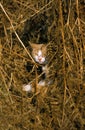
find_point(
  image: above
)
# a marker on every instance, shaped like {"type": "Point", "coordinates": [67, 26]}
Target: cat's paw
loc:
{"type": "Point", "coordinates": [27, 88]}
{"type": "Point", "coordinates": [41, 83]}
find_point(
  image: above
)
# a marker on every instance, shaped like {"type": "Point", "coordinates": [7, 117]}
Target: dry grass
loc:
{"type": "Point", "coordinates": [60, 106]}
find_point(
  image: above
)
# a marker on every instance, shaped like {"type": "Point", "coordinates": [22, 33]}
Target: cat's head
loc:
{"type": "Point", "coordinates": [39, 52]}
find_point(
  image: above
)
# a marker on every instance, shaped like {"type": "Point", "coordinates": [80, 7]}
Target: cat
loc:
{"type": "Point", "coordinates": [39, 54]}
{"type": "Point", "coordinates": [35, 37]}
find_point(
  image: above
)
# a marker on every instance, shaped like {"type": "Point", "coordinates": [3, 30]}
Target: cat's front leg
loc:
{"type": "Point", "coordinates": [27, 88]}
{"type": "Point", "coordinates": [41, 83]}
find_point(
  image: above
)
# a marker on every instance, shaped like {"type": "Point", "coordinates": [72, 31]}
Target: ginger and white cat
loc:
{"type": "Point", "coordinates": [39, 55]}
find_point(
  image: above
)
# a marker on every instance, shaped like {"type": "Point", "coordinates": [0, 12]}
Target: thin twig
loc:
{"type": "Point", "coordinates": [64, 58]}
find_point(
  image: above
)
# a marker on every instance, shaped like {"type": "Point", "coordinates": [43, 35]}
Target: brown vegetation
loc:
{"type": "Point", "coordinates": [60, 106]}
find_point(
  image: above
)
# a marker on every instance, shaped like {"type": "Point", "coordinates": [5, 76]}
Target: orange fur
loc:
{"type": "Point", "coordinates": [37, 47]}
{"type": "Point", "coordinates": [39, 52]}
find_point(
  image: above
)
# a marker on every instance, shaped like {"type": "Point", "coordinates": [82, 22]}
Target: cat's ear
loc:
{"type": "Point", "coordinates": [35, 45]}
{"type": "Point", "coordinates": [32, 45]}
{"type": "Point", "coordinates": [44, 46]}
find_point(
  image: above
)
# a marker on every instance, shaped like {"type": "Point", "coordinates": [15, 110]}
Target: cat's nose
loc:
{"type": "Point", "coordinates": [40, 58]}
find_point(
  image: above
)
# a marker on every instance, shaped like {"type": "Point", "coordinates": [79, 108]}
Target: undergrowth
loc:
{"type": "Point", "coordinates": [61, 106]}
